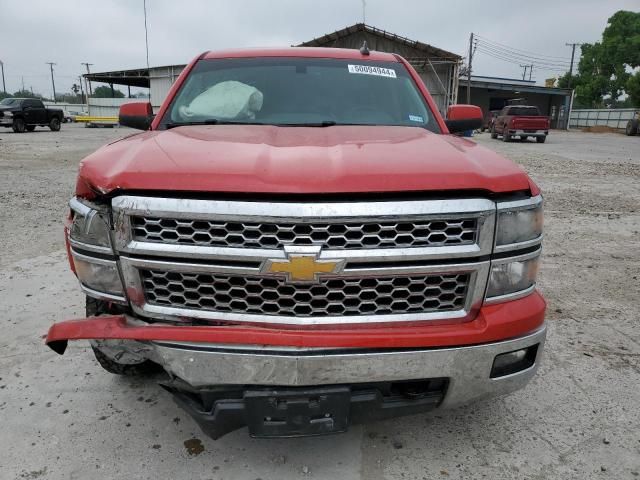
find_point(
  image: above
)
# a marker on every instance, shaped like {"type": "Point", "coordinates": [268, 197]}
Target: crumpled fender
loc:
{"type": "Point", "coordinates": [493, 323]}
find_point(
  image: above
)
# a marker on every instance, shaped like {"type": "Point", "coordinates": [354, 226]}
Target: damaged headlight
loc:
{"type": "Point", "coordinates": [92, 255]}
{"type": "Point", "coordinates": [88, 225]}
{"type": "Point", "coordinates": [98, 274]}
{"type": "Point", "coordinates": [519, 221]}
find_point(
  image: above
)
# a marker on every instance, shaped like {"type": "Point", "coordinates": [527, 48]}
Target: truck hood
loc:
{"type": "Point", "coordinates": [272, 159]}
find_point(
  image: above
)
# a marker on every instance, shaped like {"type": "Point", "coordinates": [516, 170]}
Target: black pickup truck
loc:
{"type": "Point", "coordinates": [25, 114]}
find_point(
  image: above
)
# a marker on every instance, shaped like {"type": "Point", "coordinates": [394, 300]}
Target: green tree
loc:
{"type": "Point", "coordinates": [633, 89]}
{"type": "Point", "coordinates": [105, 92]}
{"type": "Point", "coordinates": [26, 94]}
{"type": "Point", "coordinates": [604, 67]}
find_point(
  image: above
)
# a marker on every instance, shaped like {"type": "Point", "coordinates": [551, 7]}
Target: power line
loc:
{"type": "Point", "coordinates": [517, 50]}
{"type": "Point", "coordinates": [519, 58]}
{"type": "Point", "coordinates": [519, 61]}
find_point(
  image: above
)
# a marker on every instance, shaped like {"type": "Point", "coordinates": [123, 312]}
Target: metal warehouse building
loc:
{"type": "Point", "coordinates": [437, 68]}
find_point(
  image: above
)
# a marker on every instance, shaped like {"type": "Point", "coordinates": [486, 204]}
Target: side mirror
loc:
{"type": "Point", "coordinates": [136, 115]}
{"type": "Point", "coordinates": [461, 118]}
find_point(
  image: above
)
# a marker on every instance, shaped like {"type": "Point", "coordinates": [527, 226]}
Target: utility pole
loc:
{"type": "Point", "coordinates": [524, 72]}
{"type": "Point", "coordinates": [22, 78]}
{"type": "Point", "coordinates": [53, 83]}
{"type": "Point", "coordinates": [81, 89]}
{"type": "Point", "coordinates": [4, 87]}
{"type": "Point", "coordinates": [530, 70]}
{"type": "Point", "coordinates": [573, 54]}
{"type": "Point", "coordinates": [88, 81]}
{"type": "Point", "coordinates": [469, 68]}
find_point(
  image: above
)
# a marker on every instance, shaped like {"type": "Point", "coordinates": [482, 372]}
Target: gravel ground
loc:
{"type": "Point", "coordinates": [64, 418]}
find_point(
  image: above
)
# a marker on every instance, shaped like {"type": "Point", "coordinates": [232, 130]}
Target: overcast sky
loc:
{"type": "Point", "coordinates": [110, 33]}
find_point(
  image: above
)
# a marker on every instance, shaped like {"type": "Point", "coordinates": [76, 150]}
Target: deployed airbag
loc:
{"type": "Point", "coordinates": [228, 99]}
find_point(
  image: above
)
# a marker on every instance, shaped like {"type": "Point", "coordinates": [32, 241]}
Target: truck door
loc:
{"type": "Point", "coordinates": [39, 112]}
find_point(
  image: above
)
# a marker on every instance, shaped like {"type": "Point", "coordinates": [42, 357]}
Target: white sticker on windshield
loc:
{"type": "Point", "coordinates": [373, 70]}
{"type": "Point", "coordinates": [416, 118]}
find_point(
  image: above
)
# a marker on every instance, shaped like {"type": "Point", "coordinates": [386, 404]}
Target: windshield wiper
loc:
{"type": "Point", "coordinates": [211, 121]}
{"type": "Point", "coordinates": [324, 123]}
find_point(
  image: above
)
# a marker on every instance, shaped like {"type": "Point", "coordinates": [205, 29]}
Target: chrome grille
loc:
{"type": "Point", "coordinates": [345, 235]}
{"type": "Point", "coordinates": [341, 296]}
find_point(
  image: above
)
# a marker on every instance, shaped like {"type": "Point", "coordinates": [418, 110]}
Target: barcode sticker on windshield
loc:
{"type": "Point", "coordinates": [373, 70]}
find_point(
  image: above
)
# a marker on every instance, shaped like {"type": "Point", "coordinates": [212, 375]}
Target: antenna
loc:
{"type": "Point", "coordinates": [364, 49]}
{"type": "Point", "coordinates": [364, 11]}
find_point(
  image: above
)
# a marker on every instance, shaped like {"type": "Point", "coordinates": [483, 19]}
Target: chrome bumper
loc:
{"type": "Point", "coordinates": [467, 368]}
{"type": "Point", "coordinates": [536, 133]}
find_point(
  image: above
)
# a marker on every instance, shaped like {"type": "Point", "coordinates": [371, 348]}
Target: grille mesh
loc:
{"type": "Point", "coordinates": [352, 235]}
{"type": "Point", "coordinates": [332, 296]}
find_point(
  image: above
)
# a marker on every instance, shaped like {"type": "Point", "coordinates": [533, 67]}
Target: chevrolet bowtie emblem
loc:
{"type": "Point", "coordinates": [302, 265]}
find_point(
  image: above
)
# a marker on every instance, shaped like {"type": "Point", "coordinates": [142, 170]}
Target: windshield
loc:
{"type": "Point", "coordinates": [299, 92]}
{"type": "Point", "coordinates": [10, 101]}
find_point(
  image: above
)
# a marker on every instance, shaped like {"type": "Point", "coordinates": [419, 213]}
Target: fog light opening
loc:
{"type": "Point", "coordinates": [514, 362]}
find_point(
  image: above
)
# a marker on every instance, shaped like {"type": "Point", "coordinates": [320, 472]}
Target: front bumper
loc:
{"type": "Point", "coordinates": [467, 368]}
{"type": "Point", "coordinates": [349, 368]}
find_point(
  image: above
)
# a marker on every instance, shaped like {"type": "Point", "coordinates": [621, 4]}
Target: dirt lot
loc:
{"type": "Point", "coordinates": [64, 418]}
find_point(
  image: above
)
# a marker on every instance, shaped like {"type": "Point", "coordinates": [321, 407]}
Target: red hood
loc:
{"type": "Point", "coordinates": [270, 159]}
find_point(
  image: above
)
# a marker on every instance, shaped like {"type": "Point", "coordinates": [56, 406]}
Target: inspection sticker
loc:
{"type": "Point", "coordinates": [373, 70]}
{"type": "Point", "coordinates": [416, 118]}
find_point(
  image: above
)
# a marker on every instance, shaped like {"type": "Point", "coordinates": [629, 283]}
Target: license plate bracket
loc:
{"type": "Point", "coordinates": [297, 412]}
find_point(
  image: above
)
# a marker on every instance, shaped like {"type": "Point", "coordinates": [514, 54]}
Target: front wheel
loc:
{"type": "Point", "coordinates": [54, 124]}
{"type": "Point", "coordinates": [541, 139]}
{"type": "Point", "coordinates": [632, 128]}
{"type": "Point", "coordinates": [97, 307]}
{"type": "Point", "coordinates": [506, 137]}
{"type": "Point", "coordinates": [18, 125]}
{"type": "Point", "coordinates": [494, 134]}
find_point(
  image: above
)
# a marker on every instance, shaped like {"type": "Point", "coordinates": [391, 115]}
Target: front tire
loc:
{"type": "Point", "coordinates": [54, 124]}
{"type": "Point", "coordinates": [632, 128]}
{"type": "Point", "coordinates": [494, 134]}
{"type": "Point", "coordinates": [506, 137]}
{"type": "Point", "coordinates": [95, 307]}
{"type": "Point", "coordinates": [18, 125]}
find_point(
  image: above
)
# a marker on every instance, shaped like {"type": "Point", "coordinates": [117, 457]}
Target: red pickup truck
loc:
{"type": "Point", "coordinates": [520, 121]}
{"type": "Point", "coordinates": [300, 243]}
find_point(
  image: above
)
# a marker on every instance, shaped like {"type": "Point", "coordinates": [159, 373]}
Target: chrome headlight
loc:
{"type": "Point", "coordinates": [7, 114]}
{"type": "Point", "coordinates": [513, 275]}
{"type": "Point", "coordinates": [88, 225]}
{"type": "Point", "coordinates": [518, 222]}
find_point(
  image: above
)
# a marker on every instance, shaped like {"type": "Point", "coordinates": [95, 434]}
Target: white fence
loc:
{"type": "Point", "coordinates": [68, 107]}
{"type": "Point", "coordinates": [610, 117]}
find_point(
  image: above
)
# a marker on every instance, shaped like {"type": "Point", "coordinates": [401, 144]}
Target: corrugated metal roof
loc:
{"type": "Point", "coordinates": [329, 38]}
